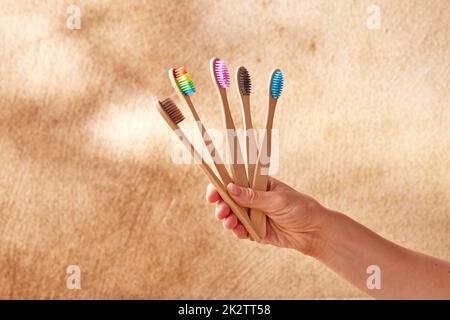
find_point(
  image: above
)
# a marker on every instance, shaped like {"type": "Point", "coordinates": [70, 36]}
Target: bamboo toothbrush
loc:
{"type": "Point", "coordinates": [173, 116]}
{"type": "Point", "coordinates": [251, 148]}
{"type": "Point", "coordinates": [184, 86]}
{"type": "Point", "coordinates": [221, 77]}
{"type": "Point", "coordinates": [258, 218]}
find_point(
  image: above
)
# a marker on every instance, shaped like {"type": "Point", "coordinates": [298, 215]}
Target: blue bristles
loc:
{"type": "Point", "coordinates": [277, 85]}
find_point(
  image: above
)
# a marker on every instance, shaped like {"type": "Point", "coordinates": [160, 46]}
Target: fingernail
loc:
{"type": "Point", "coordinates": [234, 189]}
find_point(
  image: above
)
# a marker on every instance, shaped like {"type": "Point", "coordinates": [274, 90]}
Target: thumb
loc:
{"type": "Point", "coordinates": [251, 198]}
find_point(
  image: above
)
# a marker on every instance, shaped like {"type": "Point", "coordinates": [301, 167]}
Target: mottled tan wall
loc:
{"type": "Point", "coordinates": [85, 171]}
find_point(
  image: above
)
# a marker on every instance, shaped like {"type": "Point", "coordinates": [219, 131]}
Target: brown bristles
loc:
{"type": "Point", "coordinates": [171, 109]}
{"type": "Point", "coordinates": [245, 84]}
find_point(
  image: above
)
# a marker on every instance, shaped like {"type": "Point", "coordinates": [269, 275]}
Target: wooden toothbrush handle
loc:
{"type": "Point", "coordinates": [258, 217]}
{"type": "Point", "coordinates": [240, 213]}
{"type": "Point", "coordinates": [238, 170]}
{"type": "Point", "coordinates": [215, 155]}
{"type": "Point", "coordinates": [251, 146]}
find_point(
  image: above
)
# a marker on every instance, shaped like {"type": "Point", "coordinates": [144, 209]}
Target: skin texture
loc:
{"type": "Point", "coordinates": [299, 222]}
{"type": "Point", "coordinates": [295, 218]}
{"type": "Point", "coordinates": [86, 175]}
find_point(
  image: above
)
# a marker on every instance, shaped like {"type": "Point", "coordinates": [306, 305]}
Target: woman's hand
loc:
{"type": "Point", "coordinates": [345, 246]}
{"type": "Point", "coordinates": [294, 219]}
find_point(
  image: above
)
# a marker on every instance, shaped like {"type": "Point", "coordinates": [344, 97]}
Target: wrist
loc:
{"type": "Point", "coordinates": [320, 246]}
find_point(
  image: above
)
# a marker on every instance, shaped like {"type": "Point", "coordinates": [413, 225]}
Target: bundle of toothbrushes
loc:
{"type": "Point", "coordinates": [253, 170]}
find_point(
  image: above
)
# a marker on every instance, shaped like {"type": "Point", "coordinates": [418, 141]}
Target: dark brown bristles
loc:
{"type": "Point", "coordinates": [171, 109]}
{"type": "Point", "coordinates": [245, 84]}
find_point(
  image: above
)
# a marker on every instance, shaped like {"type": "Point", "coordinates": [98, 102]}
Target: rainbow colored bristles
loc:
{"type": "Point", "coordinates": [184, 81]}
{"type": "Point", "coordinates": [222, 74]}
{"type": "Point", "coordinates": [276, 85]}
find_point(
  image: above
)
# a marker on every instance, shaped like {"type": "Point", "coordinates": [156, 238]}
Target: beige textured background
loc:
{"type": "Point", "coordinates": [85, 171]}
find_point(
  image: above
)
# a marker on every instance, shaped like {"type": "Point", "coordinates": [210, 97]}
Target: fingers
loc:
{"type": "Point", "coordinates": [211, 194]}
{"type": "Point", "coordinates": [240, 231]}
{"type": "Point", "coordinates": [222, 210]}
{"type": "Point", "coordinates": [266, 201]}
{"type": "Point", "coordinates": [232, 223]}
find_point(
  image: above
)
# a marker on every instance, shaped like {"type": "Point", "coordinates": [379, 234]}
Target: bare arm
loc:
{"type": "Point", "coordinates": [299, 222]}
{"type": "Point", "coordinates": [349, 248]}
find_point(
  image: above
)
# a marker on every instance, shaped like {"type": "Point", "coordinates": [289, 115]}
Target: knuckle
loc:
{"type": "Point", "coordinates": [282, 197]}
{"type": "Point", "coordinates": [252, 196]}
{"type": "Point", "coordinates": [279, 200]}
{"type": "Point", "coordinates": [312, 205]}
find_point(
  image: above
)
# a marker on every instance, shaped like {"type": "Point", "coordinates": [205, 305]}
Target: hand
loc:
{"type": "Point", "coordinates": [293, 219]}
{"type": "Point", "coordinates": [345, 246]}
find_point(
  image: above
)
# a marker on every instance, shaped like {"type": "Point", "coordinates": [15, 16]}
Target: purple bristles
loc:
{"type": "Point", "coordinates": [222, 74]}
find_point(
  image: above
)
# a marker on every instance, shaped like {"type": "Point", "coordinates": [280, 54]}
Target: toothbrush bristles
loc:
{"type": "Point", "coordinates": [245, 84]}
{"type": "Point", "coordinates": [277, 83]}
{"type": "Point", "coordinates": [222, 74]}
{"type": "Point", "coordinates": [171, 109]}
{"type": "Point", "coordinates": [184, 81]}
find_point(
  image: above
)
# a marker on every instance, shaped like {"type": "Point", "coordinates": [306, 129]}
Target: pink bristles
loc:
{"type": "Point", "coordinates": [222, 75]}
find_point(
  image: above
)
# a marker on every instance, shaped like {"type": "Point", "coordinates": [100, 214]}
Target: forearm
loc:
{"type": "Point", "coordinates": [349, 248]}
